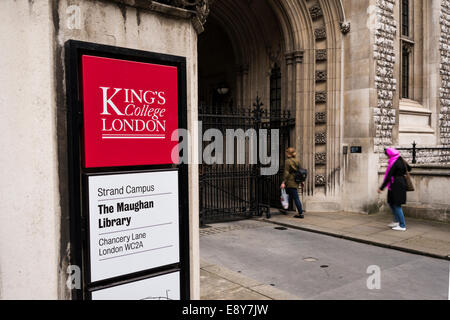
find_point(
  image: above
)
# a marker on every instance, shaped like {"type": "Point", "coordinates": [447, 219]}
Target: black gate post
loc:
{"type": "Point", "coordinates": [257, 169]}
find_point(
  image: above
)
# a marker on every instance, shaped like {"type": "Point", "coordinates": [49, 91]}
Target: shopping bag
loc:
{"type": "Point", "coordinates": [284, 199]}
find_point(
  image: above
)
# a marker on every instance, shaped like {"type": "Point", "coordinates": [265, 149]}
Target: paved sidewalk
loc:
{"type": "Point", "coordinates": [422, 237]}
{"type": "Point", "coordinates": [219, 283]}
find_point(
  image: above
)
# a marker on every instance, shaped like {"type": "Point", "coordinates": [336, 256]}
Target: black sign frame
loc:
{"type": "Point", "coordinates": [74, 50]}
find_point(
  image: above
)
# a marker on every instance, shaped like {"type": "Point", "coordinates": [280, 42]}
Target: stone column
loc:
{"type": "Point", "coordinates": [30, 207]}
{"type": "Point", "coordinates": [289, 57]}
{"type": "Point", "coordinates": [304, 114]}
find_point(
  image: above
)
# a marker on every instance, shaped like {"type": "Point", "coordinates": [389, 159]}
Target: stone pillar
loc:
{"type": "Point", "coordinates": [34, 224]}
{"type": "Point", "coordinates": [289, 82]}
{"type": "Point", "coordinates": [303, 101]}
{"type": "Point", "coordinates": [29, 188]}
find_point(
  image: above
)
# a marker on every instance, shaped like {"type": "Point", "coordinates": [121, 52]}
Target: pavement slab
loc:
{"type": "Point", "coordinates": [422, 236]}
{"type": "Point", "coordinates": [220, 283]}
{"type": "Point", "coordinates": [212, 283]}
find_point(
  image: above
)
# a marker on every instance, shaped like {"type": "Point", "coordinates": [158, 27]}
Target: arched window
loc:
{"type": "Point", "coordinates": [405, 17]}
{"type": "Point", "coordinates": [406, 61]}
{"type": "Point", "coordinates": [414, 74]}
{"type": "Point", "coordinates": [275, 91]}
{"type": "Point", "coordinates": [407, 50]}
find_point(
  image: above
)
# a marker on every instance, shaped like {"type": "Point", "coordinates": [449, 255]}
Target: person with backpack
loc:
{"type": "Point", "coordinates": [292, 177]}
{"type": "Point", "coordinates": [395, 181]}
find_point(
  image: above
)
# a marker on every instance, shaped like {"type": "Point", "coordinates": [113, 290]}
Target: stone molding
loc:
{"type": "Point", "coordinates": [320, 180]}
{"type": "Point", "coordinates": [315, 12]}
{"type": "Point", "coordinates": [298, 56]}
{"type": "Point", "coordinates": [321, 158]}
{"type": "Point", "coordinates": [321, 55]}
{"type": "Point", "coordinates": [321, 75]}
{"type": "Point", "coordinates": [289, 57]}
{"type": "Point", "coordinates": [320, 33]}
{"type": "Point", "coordinates": [321, 138]}
{"type": "Point", "coordinates": [321, 97]}
{"type": "Point", "coordinates": [321, 117]}
{"type": "Point", "coordinates": [345, 27]}
{"type": "Point", "coordinates": [196, 10]}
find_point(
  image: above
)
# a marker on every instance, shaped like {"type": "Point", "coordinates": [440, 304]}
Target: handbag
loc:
{"type": "Point", "coordinates": [284, 199]}
{"type": "Point", "coordinates": [407, 176]}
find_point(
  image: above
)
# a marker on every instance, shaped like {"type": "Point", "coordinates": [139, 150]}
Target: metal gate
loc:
{"type": "Point", "coordinates": [238, 191]}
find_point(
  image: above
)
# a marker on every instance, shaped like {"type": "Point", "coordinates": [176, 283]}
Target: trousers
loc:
{"type": "Point", "coordinates": [398, 215]}
{"type": "Point", "coordinates": [293, 194]}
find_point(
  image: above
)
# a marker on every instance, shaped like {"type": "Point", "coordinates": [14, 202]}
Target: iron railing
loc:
{"type": "Point", "coordinates": [426, 155]}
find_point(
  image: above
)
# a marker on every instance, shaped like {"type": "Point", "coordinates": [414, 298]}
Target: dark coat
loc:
{"type": "Point", "coordinates": [290, 168]}
{"type": "Point", "coordinates": [397, 194]}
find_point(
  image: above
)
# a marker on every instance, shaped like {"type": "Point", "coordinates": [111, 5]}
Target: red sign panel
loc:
{"type": "Point", "coordinates": [130, 112]}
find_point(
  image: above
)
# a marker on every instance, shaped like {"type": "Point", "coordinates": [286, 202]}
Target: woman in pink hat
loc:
{"type": "Point", "coordinates": [394, 180]}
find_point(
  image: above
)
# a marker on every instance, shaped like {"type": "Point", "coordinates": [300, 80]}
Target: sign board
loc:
{"type": "Point", "coordinates": [133, 222]}
{"type": "Point", "coordinates": [356, 149]}
{"type": "Point", "coordinates": [130, 111]}
{"type": "Point", "coordinates": [128, 191]}
{"type": "Point", "coordinates": [164, 287]}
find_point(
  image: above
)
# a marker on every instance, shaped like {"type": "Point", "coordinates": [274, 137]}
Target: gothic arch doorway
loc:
{"type": "Point", "coordinates": [289, 54]}
{"type": "Point", "coordinates": [241, 59]}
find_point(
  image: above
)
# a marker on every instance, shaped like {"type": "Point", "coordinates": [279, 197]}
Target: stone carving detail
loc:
{"type": "Point", "coordinates": [201, 7]}
{"type": "Point", "coordinates": [320, 180]}
{"type": "Point", "coordinates": [321, 76]}
{"type": "Point", "coordinates": [321, 117]}
{"type": "Point", "coordinates": [444, 116]}
{"type": "Point", "coordinates": [321, 55]}
{"type": "Point", "coordinates": [385, 83]}
{"type": "Point", "coordinates": [345, 27]}
{"type": "Point", "coordinates": [298, 56]}
{"type": "Point", "coordinates": [320, 33]}
{"type": "Point", "coordinates": [321, 138]}
{"type": "Point", "coordinates": [321, 97]}
{"type": "Point", "coordinates": [320, 158]}
{"type": "Point", "coordinates": [315, 11]}
{"type": "Point", "coordinates": [289, 57]}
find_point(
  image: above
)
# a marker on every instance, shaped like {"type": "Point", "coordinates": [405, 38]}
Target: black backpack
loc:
{"type": "Point", "coordinates": [301, 175]}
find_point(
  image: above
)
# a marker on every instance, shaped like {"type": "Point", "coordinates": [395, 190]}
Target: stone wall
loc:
{"type": "Point", "coordinates": [444, 117]}
{"type": "Point", "coordinates": [29, 206]}
{"type": "Point", "coordinates": [427, 201]}
{"type": "Point", "coordinates": [34, 222]}
{"type": "Point", "coordinates": [386, 85]}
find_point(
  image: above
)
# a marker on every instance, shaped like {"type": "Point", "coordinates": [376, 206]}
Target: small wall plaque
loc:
{"type": "Point", "coordinates": [357, 149]}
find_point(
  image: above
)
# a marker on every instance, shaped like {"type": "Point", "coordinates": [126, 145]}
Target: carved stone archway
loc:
{"type": "Point", "coordinates": [305, 38]}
